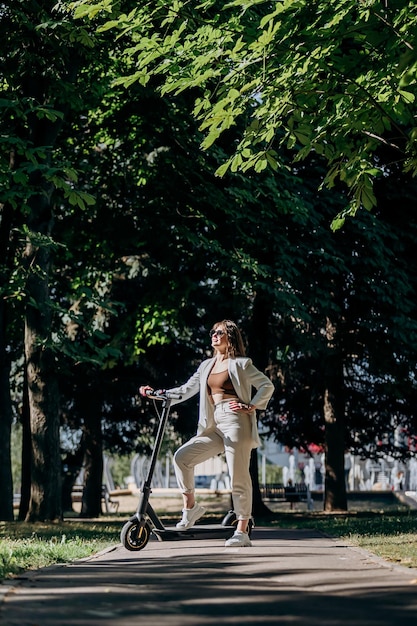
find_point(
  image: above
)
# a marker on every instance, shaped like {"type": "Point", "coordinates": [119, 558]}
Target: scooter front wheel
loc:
{"type": "Point", "coordinates": [134, 536]}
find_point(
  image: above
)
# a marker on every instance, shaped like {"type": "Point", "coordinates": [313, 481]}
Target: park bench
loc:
{"type": "Point", "coordinates": [110, 505]}
{"type": "Point", "coordinates": [277, 492]}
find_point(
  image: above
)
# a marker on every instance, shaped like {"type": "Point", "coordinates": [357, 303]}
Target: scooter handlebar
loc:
{"type": "Point", "coordinates": [162, 394]}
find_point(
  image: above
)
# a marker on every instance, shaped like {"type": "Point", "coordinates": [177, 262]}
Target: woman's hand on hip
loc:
{"type": "Point", "coordinates": [237, 405]}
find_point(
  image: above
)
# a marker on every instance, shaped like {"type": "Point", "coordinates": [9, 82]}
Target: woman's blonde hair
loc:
{"type": "Point", "coordinates": [235, 347]}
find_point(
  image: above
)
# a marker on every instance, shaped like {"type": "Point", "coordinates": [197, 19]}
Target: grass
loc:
{"type": "Point", "coordinates": [390, 534]}
{"type": "Point", "coordinates": [31, 546]}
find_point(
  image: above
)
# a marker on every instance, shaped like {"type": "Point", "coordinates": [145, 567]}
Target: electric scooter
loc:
{"type": "Point", "coordinates": [136, 533]}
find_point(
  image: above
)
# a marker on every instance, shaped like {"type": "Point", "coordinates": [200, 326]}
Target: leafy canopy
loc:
{"type": "Point", "coordinates": [335, 78]}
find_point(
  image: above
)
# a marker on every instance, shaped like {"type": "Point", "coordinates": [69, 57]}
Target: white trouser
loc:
{"type": "Point", "coordinates": [232, 434]}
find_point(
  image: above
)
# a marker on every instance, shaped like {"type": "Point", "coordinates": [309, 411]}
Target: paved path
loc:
{"type": "Point", "coordinates": [299, 578]}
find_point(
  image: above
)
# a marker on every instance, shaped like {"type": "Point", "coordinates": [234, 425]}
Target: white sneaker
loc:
{"type": "Point", "coordinates": [190, 516]}
{"type": "Point", "coordinates": [239, 540]}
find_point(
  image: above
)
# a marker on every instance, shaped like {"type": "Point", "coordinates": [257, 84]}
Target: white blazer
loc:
{"type": "Point", "coordinates": [244, 376]}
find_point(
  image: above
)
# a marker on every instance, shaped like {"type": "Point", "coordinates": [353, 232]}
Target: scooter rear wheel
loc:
{"type": "Point", "coordinates": [135, 537]}
{"type": "Point", "coordinates": [230, 519]}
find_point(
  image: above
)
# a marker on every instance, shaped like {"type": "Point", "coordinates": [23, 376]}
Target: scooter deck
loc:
{"type": "Point", "coordinates": [202, 531]}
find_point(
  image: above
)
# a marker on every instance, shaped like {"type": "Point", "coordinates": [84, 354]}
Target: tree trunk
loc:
{"type": "Point", "coordinates": [6, 413]}
{"type": "Point", "coordinates": [45, 501]}
{"type": "Point", "coordinates": [258, 341]}
{"type": "Point", "coordinates": [6, 479]}
{"type": "Point", "coordinates": [93, 457]}
{"type": "Point", "coordinates": [334, 418]}
{"type": "Point", "coordinates": [71, 467]}
{"type": "Point", "coordinates": [26, 454]}
{"type": "Point", "coordinates": [259, 508]}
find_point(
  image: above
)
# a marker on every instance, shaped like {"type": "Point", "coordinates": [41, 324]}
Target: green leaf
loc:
{"type": "Point", "coordinates": [407, 96]}
{"type": "Point", "coordinates": [261, 164]}
{"type": "Point", "coordinates": [271, 161]}
{"type": "Point", "coordinates": [221, 171]}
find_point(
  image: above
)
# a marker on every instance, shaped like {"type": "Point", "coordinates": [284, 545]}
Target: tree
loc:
{"type": "Point", "coordinates": [41, 56]}
{"type": "Point", "coordinates": [345, 364]}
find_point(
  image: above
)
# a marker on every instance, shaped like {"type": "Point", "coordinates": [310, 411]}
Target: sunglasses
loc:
{"type": "Point", "coordinates": [218, 333]}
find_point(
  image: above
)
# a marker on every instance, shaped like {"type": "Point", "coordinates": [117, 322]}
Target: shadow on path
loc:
{"type": "Point", "coordinates": [287, 577]}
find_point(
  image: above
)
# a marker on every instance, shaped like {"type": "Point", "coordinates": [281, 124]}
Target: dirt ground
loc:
{"type": "Point", "coordinates": [170, 501]}
{"type": "Point", "coordinates": [167, 501]}
{"type": "Point", "coordinates": [219, 502]}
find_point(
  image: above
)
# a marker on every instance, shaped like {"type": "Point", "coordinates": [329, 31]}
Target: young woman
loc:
{"type": "Point", "coordinates": [227, 423]}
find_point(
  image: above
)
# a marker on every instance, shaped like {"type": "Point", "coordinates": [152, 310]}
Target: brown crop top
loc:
{"type": "Point", "coordinates": [220, 383]}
